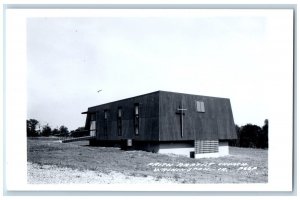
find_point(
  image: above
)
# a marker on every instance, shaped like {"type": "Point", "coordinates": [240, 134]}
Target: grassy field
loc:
{"type": "Point", "coordinates": [244, 165]}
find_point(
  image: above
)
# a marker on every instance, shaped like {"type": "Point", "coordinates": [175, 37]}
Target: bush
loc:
{"type": "Point", "coordinates": [46, 131]}
{"type": "Point", "coordinates": [251, 136]}
{"type": "Point", "coordinates": [63, 131]}
{"type": "Point", "coordinates": [31, 127]}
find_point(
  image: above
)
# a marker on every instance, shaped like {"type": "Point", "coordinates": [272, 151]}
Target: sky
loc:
{"type": "Point", "coordinates": [70, 59]}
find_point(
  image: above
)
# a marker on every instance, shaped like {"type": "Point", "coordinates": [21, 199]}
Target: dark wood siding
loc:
{"type": "Point", "coordinates": [215, 123]}
{"type": "Point", "coordinates": [148, 116]}
{"type": "Point", "coordinates": [159, 118]}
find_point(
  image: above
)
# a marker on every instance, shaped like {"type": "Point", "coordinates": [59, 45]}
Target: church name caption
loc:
{"type": "Point", "coordinates": [209, 166]}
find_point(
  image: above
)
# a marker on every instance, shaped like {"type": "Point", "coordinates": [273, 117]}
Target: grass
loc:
{"type": "Point", "coordinates": [79, 155]}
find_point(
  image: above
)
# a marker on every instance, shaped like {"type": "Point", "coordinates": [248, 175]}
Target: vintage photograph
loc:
{"type": "Point", "coordinates": [153, 99]}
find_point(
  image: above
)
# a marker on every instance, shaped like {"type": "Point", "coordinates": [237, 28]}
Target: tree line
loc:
{"type": "Point", "coordinates": [252, 136]}
{"type": "Point", "coordinates": [33, 129]}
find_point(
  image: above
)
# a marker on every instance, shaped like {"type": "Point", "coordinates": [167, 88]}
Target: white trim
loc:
{"type": "Point", "coordinates": [207, 155]}
{"type": "Point", "coordinates": [177, 151]}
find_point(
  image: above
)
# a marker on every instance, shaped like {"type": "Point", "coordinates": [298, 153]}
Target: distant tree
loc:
{"type": "Point", "coordinates": [79, 132]}
{"type": "Point", "coordinates": [31, 127]}
{"type": "Point", "coordinates": [80, 129]}
{"type": "Point", "coordinates": [249, 135]}
{"type": "Point", "coordinates": [55, 132]}
{"type": "Point", "coordinates": [63, 131]}
{"type": "Point", "coordinates": [264, 137]}
{"type": "Point", "coordinates": [46, 131]}
{"type": "Point", "coordinates": [238, 132]}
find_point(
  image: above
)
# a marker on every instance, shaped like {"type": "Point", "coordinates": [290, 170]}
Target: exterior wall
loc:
{"type": "Point", "coordinates": [148, 119]}
{"type": "Point", "coordinates": [182, 148]}
{"type": "Point", "coordinates": [207, 155]}
{"type": "Point", "coordinates": [206, 146]}
{"type": "Point", "coordinates": [158, 121]}
{"type": "Point", "coordinates": [223, 148]}
{"type": "Point", "coordinates": [213, 124]}
{"type": "Point", "coordinates": [223, 151]}
{"type": "Point", "coordinates": [185, 149]}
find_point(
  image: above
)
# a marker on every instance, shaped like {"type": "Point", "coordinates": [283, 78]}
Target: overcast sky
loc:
{"type": "Point", "coordinates": [70, 59]}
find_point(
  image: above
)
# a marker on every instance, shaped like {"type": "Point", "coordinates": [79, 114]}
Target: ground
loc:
{"type": "Point", "coordinates": [50, 161]}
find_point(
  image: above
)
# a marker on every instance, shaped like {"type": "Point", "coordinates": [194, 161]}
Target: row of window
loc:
{"type": "Point", "coordinates": [119, 122]}
{"type": "Point", "coordinates": [199, 107]}
{"type": "Point", "coordinates": [136, 120]}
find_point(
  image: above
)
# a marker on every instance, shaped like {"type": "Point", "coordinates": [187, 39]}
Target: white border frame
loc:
{"type": "Point", "coordinates": [19, 89]}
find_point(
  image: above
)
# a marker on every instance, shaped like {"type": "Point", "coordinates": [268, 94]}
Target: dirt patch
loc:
{"type": "Point", "coordinates": [50, 174]}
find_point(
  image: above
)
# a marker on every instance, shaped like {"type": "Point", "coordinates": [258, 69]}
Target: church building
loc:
{"type": "Point", "coordinates": [164, 122]}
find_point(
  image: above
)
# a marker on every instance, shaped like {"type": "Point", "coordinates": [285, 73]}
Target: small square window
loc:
{"type": "Point", "coordinates": [200, 106]}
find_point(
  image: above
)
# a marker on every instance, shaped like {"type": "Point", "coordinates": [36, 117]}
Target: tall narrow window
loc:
{"type": "Point", "coordinates": [105, 122]}
{"type": "Point", "coordinates": [136, 119]}
{"type": "Point", "coordinates": [119, 121]}
{"type": "Point", "coordinates": [200, 106]}
{"type": "Point", "coordinates": [93, 125]}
